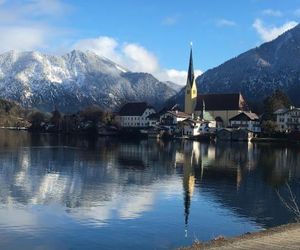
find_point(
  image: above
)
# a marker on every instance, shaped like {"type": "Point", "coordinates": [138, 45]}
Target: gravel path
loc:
{"type": "Point", "coordinates": [283, 237]}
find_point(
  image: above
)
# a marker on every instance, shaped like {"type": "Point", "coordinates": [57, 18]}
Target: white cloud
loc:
{"type": "Point", "coordinates": [103, 46]}
{"type": "Point", "coordinates": [30, 25]}
{"type": "Point", "coordinates": [225, 23]}
{"type": "Point", "coordinates": [269, 33]}
{"type": "Point", "coordinates": [271, 12]}
{"type": "Point", "coordinates": [25, 24]}
{"type": "Point", "coordinates": [22, 38]}
{"type": "Point", "coordinates": [132, 56]}
{"type": "Point", "coordinates": [140, 59]}
{"type": "Point", "coordinates": [177, 76]}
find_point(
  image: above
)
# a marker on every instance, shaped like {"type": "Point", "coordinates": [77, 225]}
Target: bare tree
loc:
{"type": "Point", "coordinates": [290, 203]}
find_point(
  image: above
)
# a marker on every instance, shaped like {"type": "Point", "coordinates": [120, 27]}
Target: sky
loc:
{"type": "Point", "coordinates": [147, 35]}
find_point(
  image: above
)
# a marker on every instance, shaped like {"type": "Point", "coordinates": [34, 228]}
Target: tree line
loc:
{"type": "Point", "coordinates": [86, 120]}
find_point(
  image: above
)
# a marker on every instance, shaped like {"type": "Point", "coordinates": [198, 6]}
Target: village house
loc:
{"type": "Point", "coordinates": [191, 127]}
{"type": "Point", "coordinates": [222, 107]}
{"type": "Point", "coordinates": [230, 134]}
{"type": "Point", "coordinates": [246, 120]}
{"type": "Point", "coordinates": [153, 120]}
{"type": "Point", "coordinates": [170, 120]}
{"type": "Point", "coordinates": [135, 115]}
{"type": "Point", "coordinates": [288, 119]}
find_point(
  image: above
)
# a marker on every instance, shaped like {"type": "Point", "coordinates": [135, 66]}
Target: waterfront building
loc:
{"type": "Point", "coordinates": [230, 134]}
{"type": "Point", "coordinates": [135, 114]}
{"type": "Point", "coordinates": [246, 120]}
{"type": "Point", "coordinates": [191, 127]}
{"type": "Point", "coordinates": [153, 120]}
{"type": "Point", "coordinates": [287, 119]}
{"type": "Point", "coordinates": [170, 120]}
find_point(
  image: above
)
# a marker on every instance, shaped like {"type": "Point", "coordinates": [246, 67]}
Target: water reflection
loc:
{"type": "Point", "coordinates": [133, 189]}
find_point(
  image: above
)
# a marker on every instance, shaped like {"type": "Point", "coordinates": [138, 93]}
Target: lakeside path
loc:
{"type": "Point", "coordinates": [283, 237]}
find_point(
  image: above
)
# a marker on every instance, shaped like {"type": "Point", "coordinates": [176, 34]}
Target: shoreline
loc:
{"type": "Point", "coordinates": [254, 140]}
{"type": "Point", "coordinates": [273, 140]}
{"type": "Point", "coordinates": [281, 237]}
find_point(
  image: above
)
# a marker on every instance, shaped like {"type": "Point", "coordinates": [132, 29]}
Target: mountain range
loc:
{"type": "Point", "coordinates": [258, 72]}
{"type": "Point", "coordinates": [78, 79]}
{"type": "Point", "coordinates": [75, 80]}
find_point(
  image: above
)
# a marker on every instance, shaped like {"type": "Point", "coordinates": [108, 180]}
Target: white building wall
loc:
{"type": "Point", "coordinates": [198, 129]}
{"type": "Point", "coordinates": [253, 126]}
{"type": "Point", "coordinates": [137, 121]}
{"type": "Point", "coordinates": [288, 121]}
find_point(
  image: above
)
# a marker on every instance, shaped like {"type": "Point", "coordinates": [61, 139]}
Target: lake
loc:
{"type": "Point", "coordinates": [71, 192]}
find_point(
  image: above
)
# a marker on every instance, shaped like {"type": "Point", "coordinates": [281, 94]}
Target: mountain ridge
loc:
{"type": "Point", "coordinates": [75, 80]}
{"type": "Point", "coordinates": [258, 72]}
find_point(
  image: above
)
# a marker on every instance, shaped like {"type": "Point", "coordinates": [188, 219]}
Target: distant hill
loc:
{"type": "Point", "coordinates": [75, 80]}
{"type": "Point", "coordinates": [258, 72]}
{"type": "Point", "coordinates": [12, 114]}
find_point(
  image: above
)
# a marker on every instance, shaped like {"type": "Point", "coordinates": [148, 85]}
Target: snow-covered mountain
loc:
{"type": "Point", "coordinates": [259, 71]}
{"type": "Point", "coordinates": [75, 80]}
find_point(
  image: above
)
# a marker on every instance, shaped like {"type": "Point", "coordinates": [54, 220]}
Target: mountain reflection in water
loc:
{"type": "Point", "coordinates": [79, 193]}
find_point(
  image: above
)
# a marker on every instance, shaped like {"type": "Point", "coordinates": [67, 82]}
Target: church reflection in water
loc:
{"type": "Point", "coordinates": [107, 177]}
{"type": "Point", "coordinates": [241, 176]}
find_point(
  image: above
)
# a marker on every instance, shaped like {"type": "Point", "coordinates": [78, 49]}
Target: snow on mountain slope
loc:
{"type": "Point", "coordinates": [73, 81]}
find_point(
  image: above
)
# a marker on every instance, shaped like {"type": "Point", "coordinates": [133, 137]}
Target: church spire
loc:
{"type": "Point", "coordinates": [191, 76]}
{"type": "Point", "coordinates": [191, 88]}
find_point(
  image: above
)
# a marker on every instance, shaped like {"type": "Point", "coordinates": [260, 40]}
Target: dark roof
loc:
{"type": "Point", "coordinates": [285, 110]}
{"type": "Point", "coordinates": [172, 107]}
{"type": "Point", "coordinates": [233, 101]}
{"type": "Point", "coordinates": [153, 116]}
{"type": "Point", "coordinates": [191, 76]}
{"type": "Point", "coordinates": [179, 114]}
{"type": "Point", "coordinates": [193, 121]}
{"type": "Point", "coordinates": [245, 116]}
{"type": "Point", "coordinates": [134, 109]}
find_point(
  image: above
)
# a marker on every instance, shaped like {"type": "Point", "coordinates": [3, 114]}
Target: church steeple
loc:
{"type": "Point", "coordinates": [191, 88]}
{"type": "Point", "coordinates": [191, 75]}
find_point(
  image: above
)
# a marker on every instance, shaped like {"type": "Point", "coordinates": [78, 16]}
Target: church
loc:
{"type": "Point", "coordinates": [220, 107]}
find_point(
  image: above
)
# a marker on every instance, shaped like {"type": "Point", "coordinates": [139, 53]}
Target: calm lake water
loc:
{"type": "Point", "coordinates": [61, 192]}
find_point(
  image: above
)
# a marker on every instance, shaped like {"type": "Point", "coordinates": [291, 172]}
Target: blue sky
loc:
{"type": "Point", "coordinates": [147, 35]}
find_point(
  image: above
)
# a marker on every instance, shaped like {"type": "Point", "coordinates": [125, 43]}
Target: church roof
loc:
{"type": "Point", "coordinates": [191, 76]}
{"type": "Point", "coordinates": [211, 102]}
{"type": "Point", "coordinates": [134, 109]}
